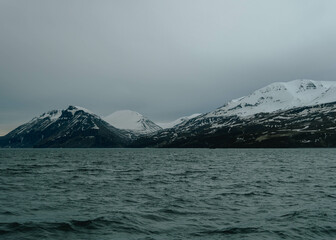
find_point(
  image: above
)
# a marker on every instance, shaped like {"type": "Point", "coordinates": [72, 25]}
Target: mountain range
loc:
{"type": "Point", "coordinates": [300, 113]}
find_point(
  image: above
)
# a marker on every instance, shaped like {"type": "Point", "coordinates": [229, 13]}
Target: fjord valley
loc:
{"type": "Point", "coordinates": [300, 113]}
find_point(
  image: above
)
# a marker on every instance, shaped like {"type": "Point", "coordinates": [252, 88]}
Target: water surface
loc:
{"type": "Point", "coordinates": [167, 194]}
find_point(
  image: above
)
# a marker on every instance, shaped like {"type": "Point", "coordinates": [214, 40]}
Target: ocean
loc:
{"type": "Point", "coordinates": [167, 194]}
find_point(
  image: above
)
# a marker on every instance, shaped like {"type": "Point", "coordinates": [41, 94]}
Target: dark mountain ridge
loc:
{"type": "Point", "coordinates": [311, 126]}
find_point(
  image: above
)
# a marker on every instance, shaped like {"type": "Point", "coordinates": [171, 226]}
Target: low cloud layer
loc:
{"type": "Point", "coordinates": [164, 59]}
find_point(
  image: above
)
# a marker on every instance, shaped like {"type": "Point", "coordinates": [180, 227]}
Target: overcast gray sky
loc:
{"type": "Point", "coordinates": [164, 59]}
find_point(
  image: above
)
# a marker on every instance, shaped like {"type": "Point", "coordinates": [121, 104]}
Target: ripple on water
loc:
{"type": "Point", "coordinates": [167, 194]}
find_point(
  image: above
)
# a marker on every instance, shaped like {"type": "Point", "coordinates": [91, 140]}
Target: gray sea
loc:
{"type": "Point", "coordinates": [167, 194]}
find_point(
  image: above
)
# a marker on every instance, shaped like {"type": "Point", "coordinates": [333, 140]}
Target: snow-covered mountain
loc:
{"type": "Point", "coordinates": [280, 96]}
{"type": "Point", "coordinates": [177, 121]}
{"type": "Point", "coordinates": [71, 127]}
{"type": "Point", "coordinates": [282, 114]}
{"type": "Point", "coordinates": [309, 126]}
{"type": "Point", "coordinates": [132, 121]}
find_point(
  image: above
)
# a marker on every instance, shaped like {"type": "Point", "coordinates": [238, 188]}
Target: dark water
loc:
{"type": "Point", "coordinates": [168, 194]}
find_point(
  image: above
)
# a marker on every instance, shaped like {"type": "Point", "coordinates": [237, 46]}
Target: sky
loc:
{"type": "Point", "coordinates": [163, 59]}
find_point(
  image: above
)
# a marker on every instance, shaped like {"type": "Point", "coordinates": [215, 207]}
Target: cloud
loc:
{"type": "Point", "coordinates": [165, 59]}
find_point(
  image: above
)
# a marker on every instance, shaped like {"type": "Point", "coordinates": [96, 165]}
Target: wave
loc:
{"type": "Point", "coordinates": [229, 231]}
{"type": "Point", "coordinates": [76, 226]}
{"type": "Point", "coordinates": [72, 225]}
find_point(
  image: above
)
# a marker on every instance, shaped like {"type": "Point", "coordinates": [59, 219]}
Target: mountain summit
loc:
{"type": "Point", "coordinates": [71, 127]}
{"type": "Point", "coordinates": [133, 121]}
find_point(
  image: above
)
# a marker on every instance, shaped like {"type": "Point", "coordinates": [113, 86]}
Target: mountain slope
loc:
{"type": "Point", "coordinates": [311, 126]}
{"type": "Point", "coordinates": [177, 121]}
{"type": "Point", "coordinates": [72, 127]}
{"type": "Point", "coordinates": [299, 113]}
{"type": "Point", "coordinates": [132, 121]}
{"type": "Point", "coordinates": [280, 110]}
{"type": "Point", "coordinates": [279, 96]}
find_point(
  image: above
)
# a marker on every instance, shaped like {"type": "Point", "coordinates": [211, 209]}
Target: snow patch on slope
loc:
{"type": "Point", "coordinates": [52, 115]}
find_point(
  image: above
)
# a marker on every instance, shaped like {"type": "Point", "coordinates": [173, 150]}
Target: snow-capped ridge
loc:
{"type": "Point", "coordinates": [280, 96]}
{"type": "Point", "coordinates": [74, 109]}
{"type": "Point", "coordinates": [56, 114]}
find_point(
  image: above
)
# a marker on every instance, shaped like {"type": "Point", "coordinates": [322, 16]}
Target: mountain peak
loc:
{"type": "Point", "coordinates": [131, 120]}
{"type": "Point", "coordinates": [71, 127]}
{"type": "Point", "coordinates": [74, 109]}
